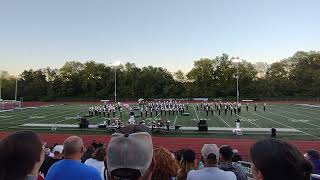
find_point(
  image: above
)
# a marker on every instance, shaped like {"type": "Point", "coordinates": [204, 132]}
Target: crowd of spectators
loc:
{"type": "Point", "coordinates": [130, 155]}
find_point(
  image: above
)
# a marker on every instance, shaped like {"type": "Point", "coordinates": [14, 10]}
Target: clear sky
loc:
{"type": "Point", "coordinates": [167, 33]}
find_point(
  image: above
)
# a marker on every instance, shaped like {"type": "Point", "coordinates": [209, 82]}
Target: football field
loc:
{"type": "Point", "coordinates": [303, 120]}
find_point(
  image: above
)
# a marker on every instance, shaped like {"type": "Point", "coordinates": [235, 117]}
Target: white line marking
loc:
{"type": "Point", "coordinates": [249, 121]}
{"type": "Point", "coordinates": [222, 119]}
{"type": "Point", "coordinates": [287, 126]}
{"type": "Point", "coordinates": [291, 118]}
{"type": "Point", "coordinates": [174, 123]}
{"type": "Point", "coordinates": [298, 114]}
{"type": "Point", "coordinates": [196, 113]}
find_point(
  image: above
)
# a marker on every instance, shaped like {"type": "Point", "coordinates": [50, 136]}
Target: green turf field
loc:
{"type": "Point", "coordinates": [302, 118]}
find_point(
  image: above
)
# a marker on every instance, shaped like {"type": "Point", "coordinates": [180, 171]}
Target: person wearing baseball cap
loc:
{"type": "Point", "coordinates": [49, 161]}
{"type": "Point", "coordinates": [130, 154]}
{"type": "Point", "coordinates": [210, 155]}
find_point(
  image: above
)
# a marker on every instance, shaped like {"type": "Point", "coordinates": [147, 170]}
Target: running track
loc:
{"type": "Point", "coordinates": [176, 143]}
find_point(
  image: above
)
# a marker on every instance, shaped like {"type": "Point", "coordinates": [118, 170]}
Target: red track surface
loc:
{"type": "Point", "coordinates": [174, 143]}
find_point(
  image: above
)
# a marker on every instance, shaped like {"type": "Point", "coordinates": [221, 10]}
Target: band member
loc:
{"type": "Point", "coordinates": [238, 124]}
{"type": "Point", "coordinates": [219, 110]}
{"type": "Point", "coordinates": [247, 106]}
{"type": "Point", "coordinates": [225, 109]}
{"type": "Point", "coordinates": [131, 118]}
{"type": "Point", "coordinates": [264, 107]}
{"type": "Point", "coordinates": [255, 106]}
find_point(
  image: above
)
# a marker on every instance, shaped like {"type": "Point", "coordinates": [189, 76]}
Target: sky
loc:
{"type": "Point", "coordinates": [167, 33]}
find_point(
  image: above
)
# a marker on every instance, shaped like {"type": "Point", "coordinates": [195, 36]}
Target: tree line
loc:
{"type": "Point", "coordinates": [296, 76]}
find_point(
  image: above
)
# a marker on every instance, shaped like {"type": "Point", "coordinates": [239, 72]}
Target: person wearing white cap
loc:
{"type": "Point", "coordinates": [49, 161]}
{"type": "Point", "coordinates": [130, 154]}
{"type": "Point", "coordinates": [210, 155]}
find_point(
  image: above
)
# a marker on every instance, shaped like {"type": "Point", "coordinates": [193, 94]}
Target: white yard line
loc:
{"type": "Point", "coordinates": [270, 119]}
{"type": "Point", "coordinates": [292, 118]}
{"type": "Point", "coordinates": [299, 114]}
{"type": "Point", "coordinates": [302, 109]}
{"type": "Point", "coordinates": [174, 123]}
{"type": "Point", "coordinates": [45, 119]}
{"type": "Point", "coordinates": [249, 121]}
{"type": "Point", "coordinates": [286, 125]}
{"type": "Point", "coordinates": [222, 119]}
{"type": "Point", "coordinates": [24, 114]}
{"type": "Point", "coordinates": [196, 112]}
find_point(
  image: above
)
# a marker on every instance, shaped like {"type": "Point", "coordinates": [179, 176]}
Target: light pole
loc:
{"type": "Point", "coordinates": [237, 61]}
{"type": "Point", "coordinates": [115, 84]}
{"type": "Point", "coordinates": [115, 65]}
{"type": "Point", "coordinates": [0, 83]}
{"type": "Point", "coordinates": [16, 90]}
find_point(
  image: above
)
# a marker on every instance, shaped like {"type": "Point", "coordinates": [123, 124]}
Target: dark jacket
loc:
{"type": "Point", "coordinates": [234, 167]}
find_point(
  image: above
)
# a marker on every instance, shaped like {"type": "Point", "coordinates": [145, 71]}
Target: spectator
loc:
{"type": "Point", "coordinates": [210, 155]}
{"type": "Point", "coordinates": [94, 144]}
{"type": "Point", "coordinates": [87, 154]}
{"type": "Point", "coordinates": [22, 154]}
{"type": "Point", "coordinates": [97, 160]}
{"type": "Point", "coordinates": [166, 165]}
{"type": "Point", "coordinates": [236, 157]}
{"type": "Point", "coordinates": [313, 157]}
{"type": "Point", "coordinates": [70, 168]}
{"type": "Point", "coordinates": [178, 154]}
{"type": "Point", "coordinates": [226, 163]}
{"type": "Point", "coordinates": [273, 159]}
{"type": "Point", "coordinates": [130, 154]}
{"type": "Point", "coordinates": [187, 163]}
{"type": "Point", "coordinates": [49, 161]}
{"type": "Point", "coordinates": [100, 144]}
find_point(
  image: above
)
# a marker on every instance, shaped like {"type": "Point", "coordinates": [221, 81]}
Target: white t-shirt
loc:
{"type": "Point", "coordinates": [99, 165]}
{"type": "Point", "coordinates": [209, 173]}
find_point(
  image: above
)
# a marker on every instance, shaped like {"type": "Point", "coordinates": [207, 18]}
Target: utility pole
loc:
{"type": "Point", "coordinates": [0, 83]}
{"type": "Point", "coordinates": [237, 83]}
{"type": "Point", "coordinates": [237, 60]}
{"type": "Point", "coordinates": [115, 84]}
{"type": "Point", "coordinates": [16, 91]}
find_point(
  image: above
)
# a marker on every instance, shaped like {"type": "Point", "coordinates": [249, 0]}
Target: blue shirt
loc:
{"type": "Point", "coordinates": [72, 170]}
